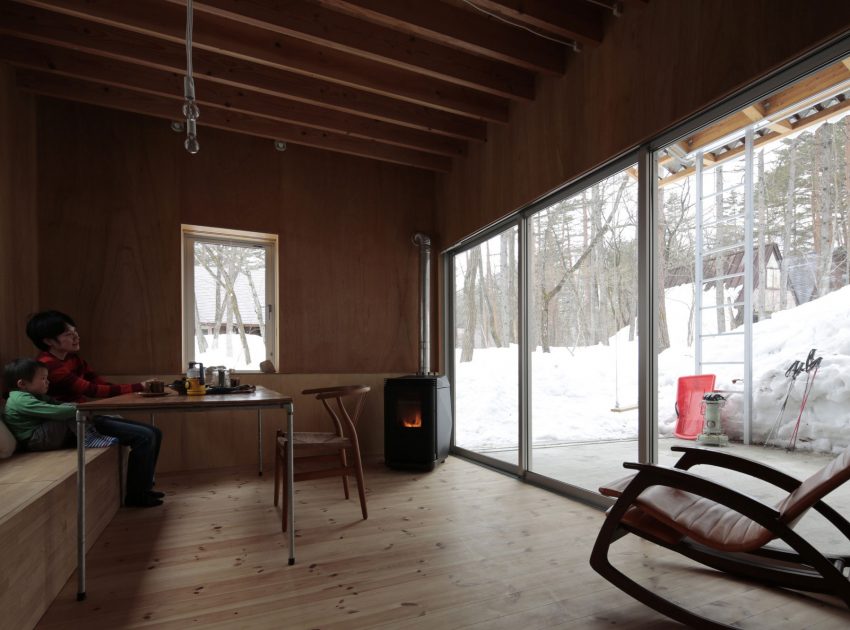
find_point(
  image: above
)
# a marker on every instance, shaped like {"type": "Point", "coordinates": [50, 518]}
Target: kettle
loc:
{"type": "Point", "coordinates": [195, 379]}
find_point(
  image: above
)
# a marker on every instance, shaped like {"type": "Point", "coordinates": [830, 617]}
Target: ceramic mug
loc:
{"type": "Point", "coordinates": [155, 386]}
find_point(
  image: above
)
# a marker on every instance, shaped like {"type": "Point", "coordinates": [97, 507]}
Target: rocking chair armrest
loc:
{"type": "Point", "coordinates": [695, 456]}
{"type": "Point", "coordinates": [651, 475]}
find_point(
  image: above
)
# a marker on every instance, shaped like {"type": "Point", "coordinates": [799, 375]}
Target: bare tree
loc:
{"type": "Point", "coordinates": [662, 330]}
{"type": "Point", "coordinates": [760, 252]}
{"type": "Point", "coordinates": [224, 264]}
{"type": "Point", "coordinates": [824, 215]}
{"type": "Point", "coordinates": [469, 291]}
{"type": "Point", "coordinates": [719, 299]}
{"type": "Point", "coordinates": [788, 223]}
{"type": "Point", "coordinates": [570, 268]}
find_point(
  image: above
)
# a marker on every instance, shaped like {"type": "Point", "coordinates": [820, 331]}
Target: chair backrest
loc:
{"type": "Point", "coordinates": [815, 488]}
{"type": "Point", "coordinates": [344, 417]}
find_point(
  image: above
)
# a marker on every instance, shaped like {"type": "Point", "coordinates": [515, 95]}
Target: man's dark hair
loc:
{"type": "Point", "coordinates": [47, 325]}
{"type": "Point", "coordinates": [20, 369]}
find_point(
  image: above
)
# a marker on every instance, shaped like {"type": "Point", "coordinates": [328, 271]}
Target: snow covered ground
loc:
{"type": "Point", "coordinates": [574, 390]}
{"type": "Point", "coordinates": [218, 352]}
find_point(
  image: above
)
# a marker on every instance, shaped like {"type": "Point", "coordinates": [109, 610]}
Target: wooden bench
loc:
{"type": "Point", "coordinates": [38, 524]}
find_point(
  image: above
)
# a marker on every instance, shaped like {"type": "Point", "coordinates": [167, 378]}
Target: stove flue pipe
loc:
{"type": "Point", "coordinates": [424, 243]}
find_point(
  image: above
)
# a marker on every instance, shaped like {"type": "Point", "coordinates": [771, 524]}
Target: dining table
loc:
{"type": "Point", "coordinates": [259, 399]}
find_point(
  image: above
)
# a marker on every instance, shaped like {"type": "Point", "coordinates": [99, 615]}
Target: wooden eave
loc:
{"type": "Point", "coordinates": [805, 103]}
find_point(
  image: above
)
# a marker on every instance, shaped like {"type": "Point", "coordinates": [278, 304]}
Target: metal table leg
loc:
{"type": "Point", "coordinates": [81, 506]}
{"type": "Point", "coordinates": [260, 440]}
{"type": "Point", "coordinates": [290, 481]}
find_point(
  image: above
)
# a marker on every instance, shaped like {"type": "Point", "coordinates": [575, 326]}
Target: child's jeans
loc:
{"type": "Point", "coordinates": [53, 435]}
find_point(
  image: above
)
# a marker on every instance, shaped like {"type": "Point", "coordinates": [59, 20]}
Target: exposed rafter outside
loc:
{"type": "Point", "coordinates": [804, 104]}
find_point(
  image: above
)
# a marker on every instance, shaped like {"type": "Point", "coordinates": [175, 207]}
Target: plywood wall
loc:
{"type": "Point", "coordinates": [661, 62]}
{"type": "Point", "coordinates": [115, 187]}
{"type": "Point", "coordinates": [18, 234]}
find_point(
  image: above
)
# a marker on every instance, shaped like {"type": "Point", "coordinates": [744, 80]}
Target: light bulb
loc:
{"type": "Point", "coordinates": [190, 110]}
{"type": "Point", "coordinates": [191, 144]}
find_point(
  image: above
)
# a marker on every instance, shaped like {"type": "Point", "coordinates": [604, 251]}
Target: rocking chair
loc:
{"type": "Point", "coordinates": [722, 528]}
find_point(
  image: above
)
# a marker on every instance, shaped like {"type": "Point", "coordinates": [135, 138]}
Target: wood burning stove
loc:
{"type": "Point", "coordinates": [417, 421]}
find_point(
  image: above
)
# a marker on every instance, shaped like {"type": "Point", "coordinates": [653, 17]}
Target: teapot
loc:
{"type": "Point", "coordinates": [195, 379]}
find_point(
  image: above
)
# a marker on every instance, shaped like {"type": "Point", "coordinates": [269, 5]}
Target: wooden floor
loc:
{"type": "Point", "coordinates": [461, 547]}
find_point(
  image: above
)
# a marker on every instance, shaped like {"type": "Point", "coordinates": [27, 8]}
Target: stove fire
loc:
{"type": "Point", "coordinates": [410, 414]}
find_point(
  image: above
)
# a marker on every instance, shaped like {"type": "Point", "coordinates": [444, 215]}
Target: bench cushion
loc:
{"type": "Point", "coordinates": [7, 441]}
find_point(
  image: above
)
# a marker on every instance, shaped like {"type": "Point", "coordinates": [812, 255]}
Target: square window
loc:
{"type": "Point", "coordinates": [229, 297]}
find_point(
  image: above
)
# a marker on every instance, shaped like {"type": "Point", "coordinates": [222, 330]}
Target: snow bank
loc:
{"type": "Point", "coordinates": [574, 390]}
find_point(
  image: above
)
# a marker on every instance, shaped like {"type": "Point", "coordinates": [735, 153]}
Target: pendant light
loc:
{"type": "Point", "coordinates": [190, 107]}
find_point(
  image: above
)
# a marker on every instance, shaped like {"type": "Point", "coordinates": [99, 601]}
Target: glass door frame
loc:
{"type": "Point", "coordinates": [521, 221]}
{"type": "Point", "coordinates": [449, 288]}
{"type": "Point", "coordinates": [609, 169]}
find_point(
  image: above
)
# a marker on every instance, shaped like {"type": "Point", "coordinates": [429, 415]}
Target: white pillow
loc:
{"type": "Point", "coordinates": [7, 441]}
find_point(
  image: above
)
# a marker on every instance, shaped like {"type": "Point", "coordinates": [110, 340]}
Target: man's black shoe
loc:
{"type": "Point", "coordinates": [144, 500]}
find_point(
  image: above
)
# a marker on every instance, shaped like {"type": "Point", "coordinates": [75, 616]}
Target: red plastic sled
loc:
{"type": "Point", "coordinates": [689, 407]}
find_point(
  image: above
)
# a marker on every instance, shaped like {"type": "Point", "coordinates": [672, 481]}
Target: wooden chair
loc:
{"type": "Point", "coordinates": [319, 455]}
{"type": "Point", "coordinates": [724, 529]}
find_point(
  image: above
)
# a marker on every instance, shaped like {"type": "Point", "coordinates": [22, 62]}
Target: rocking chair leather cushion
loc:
{"type": "Point", "coordinates": [722, 528]}
{"type": "Point", "coordinates": [325, 454]}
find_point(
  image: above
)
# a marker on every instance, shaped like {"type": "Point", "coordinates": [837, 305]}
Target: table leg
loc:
{"type": "Point", "coordinates": [290, 481]}
{"type": "Point", "coordinates": [260, 441]}
{"type": "Point", "coordinates": [81, 506]}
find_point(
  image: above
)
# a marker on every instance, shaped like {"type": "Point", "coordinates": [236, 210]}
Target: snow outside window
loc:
{"type": "Point", "coordinates": [229, 289]}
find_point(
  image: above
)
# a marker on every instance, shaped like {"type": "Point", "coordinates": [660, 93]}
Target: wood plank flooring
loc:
{"type": "Point", "coordinates": [460, 547]}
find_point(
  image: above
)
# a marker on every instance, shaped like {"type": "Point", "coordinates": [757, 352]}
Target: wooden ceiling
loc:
{"type": "Point", "coordinates": [412, 82]}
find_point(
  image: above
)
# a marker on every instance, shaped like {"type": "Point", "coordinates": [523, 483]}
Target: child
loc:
{"type": "Point", "coordinates": [38, 422]}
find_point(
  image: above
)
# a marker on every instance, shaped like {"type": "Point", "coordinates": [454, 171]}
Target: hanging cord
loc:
{"type": "Point", "coordinates": [812, 365]}
{"type": "Point", "coordinates": [574, 45]}
{"type": "Point", "coordinates": [190, 107]}
{"type": "Point", "coordinates": [616, 8]}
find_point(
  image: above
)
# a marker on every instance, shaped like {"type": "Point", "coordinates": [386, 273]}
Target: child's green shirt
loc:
{"type": "Point", "coordinates": [25, 411]}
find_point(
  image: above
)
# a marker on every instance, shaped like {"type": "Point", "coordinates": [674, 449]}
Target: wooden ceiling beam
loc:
{"type": "Point", "coordinates": [455, 27]}
{"type": "Point", "coordinates": [166, 21]}
{"type": "Point", "coordinates": [162, 107]}
{"type": "Point", "coordinates": [68, 32]}
{"type": "Point", "coordinates": [70, 63]}
{"type": "Point", "coordinates": [565, 19]}
{"type": "Point", "coordinates": [346, 34]}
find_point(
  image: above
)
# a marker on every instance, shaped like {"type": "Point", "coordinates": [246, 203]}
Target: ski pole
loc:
{"type": "Point", "coordinates": [793, 372]}
{"type": "Point", "coordinates": [812, 365]}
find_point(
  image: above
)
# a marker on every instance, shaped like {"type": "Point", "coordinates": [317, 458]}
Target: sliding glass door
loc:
{"type": "Point", "coordinates": [740, 245]}
{"type": "Point", "coordinates": [583, 332]}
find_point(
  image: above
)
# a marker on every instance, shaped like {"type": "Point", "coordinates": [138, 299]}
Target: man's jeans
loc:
{"type": "Point", "coordinates": [144, 441]}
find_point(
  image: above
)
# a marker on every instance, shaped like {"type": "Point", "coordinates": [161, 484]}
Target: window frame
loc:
{"type": "Point", "coordinates": [191, 234]}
